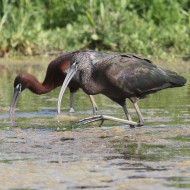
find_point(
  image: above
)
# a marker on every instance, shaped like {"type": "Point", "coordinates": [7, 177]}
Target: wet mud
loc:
{"type": "Point", "coordinates": [96, 158]}
{"type": "Point", "coordinates": [43, 150]}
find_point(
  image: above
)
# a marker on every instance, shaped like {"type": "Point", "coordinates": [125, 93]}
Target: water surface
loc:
{"type": "Point", "coordinates": [42, 151]}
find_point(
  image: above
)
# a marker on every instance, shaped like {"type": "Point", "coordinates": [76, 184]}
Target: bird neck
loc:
{"type": "Point", "coordinates": [88, 82]}
{"type": "Point", "coordinates": [39, 88]}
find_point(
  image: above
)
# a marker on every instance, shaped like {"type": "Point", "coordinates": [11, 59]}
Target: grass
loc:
{"type": "Point", "coordinates": [159, 28]}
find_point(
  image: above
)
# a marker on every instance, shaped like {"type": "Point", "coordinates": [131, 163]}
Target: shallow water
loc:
{"type": "Point", "coordinates": [42, 151]}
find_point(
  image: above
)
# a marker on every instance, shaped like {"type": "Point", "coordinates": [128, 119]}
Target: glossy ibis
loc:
{"type": "Point", "coordinates": [55, 75]}
{"type": "Point", "coordinates": [118, 76]}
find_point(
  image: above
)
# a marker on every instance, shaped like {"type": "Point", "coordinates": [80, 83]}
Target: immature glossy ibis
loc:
{"type": "Point", "coordinates": [55, 75]}
{"type": "Point", "coordinates": [118, 76]}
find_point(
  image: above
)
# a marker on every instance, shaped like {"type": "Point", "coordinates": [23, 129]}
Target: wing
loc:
{"type": "Point", "coordinates": [135, 75]}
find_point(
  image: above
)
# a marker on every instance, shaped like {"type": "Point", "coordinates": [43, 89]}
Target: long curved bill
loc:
{"type": "Point", "coordinates": [70, 74]}
{"type": "Point", "coordinates": [14, 101]}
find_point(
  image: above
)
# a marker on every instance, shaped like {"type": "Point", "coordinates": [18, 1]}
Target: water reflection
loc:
{"type": "Point", "coordinates": [169, 106]}
{"type": "Point", "coordinates": [114, 157]}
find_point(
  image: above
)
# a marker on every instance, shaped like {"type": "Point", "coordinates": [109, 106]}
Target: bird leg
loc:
{"type": "Point", "coordinates": [141, 120]}
{"type": "Point", "coordinates": [105, 117]}
{"type": "Point", "coordinates": [94, 106]}
{"type": "Point", "coordinates": [71, 102]}
{"type": "Point", "coordinates": [127, 114]}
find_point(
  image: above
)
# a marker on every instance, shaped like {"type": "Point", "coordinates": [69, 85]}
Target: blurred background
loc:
{"type": "Point", "coordinates": [149, 27]}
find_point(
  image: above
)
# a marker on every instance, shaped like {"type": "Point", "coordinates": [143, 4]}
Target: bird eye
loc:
{"type": "Point", "coordinates": [19, 87]}
{"type": "Point", "coordinates": [75, 63]}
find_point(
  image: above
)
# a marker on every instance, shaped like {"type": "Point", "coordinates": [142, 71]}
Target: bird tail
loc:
{"type": "Point", "coordinates": [175, 79]}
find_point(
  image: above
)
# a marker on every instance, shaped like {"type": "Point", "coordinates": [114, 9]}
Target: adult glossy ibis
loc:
{"type": "Point", "coordinates": [118, 76]}
{"type": "Point", "coordinates": [55, 75]}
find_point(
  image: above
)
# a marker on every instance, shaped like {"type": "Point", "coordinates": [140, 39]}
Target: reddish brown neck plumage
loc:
{"type": "Point", "coordinates": [39, 88]}
{"type": "Point", "coordinates": [29, 81]}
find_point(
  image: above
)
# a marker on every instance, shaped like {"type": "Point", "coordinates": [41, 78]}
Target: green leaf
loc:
{"type": "Point", "coordinates": [102, 11]}
{"type": "Point", "coordinates": [90, 19]}
{"type": "Point", "coordinates": [95, 37]}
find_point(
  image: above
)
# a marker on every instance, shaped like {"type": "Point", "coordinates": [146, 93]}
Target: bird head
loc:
{"type": "Point", "coordinates": [20, 83]}
{"type": "Point", "coordinates": [79, 64]}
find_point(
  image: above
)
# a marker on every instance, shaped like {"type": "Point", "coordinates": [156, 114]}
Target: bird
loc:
{"type": "Point", "coordinates": [119, 76]}
{"type": "Point", "coordinates": [55, 75]}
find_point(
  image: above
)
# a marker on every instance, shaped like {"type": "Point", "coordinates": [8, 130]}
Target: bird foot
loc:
{"type": "Point", "coordinates": [89, 120]}
{"type": "Point", "coordinates": [95, 110]}
{"type": "Point", "coordinates": [71, 110]}
{"type": "Point", "coordinates": [140, 124]}
{"type": "Point", "coordinates": [105, 117]}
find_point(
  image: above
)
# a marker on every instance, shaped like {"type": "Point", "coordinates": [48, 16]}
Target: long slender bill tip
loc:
{"type": "Point", "coordinates": [68, 78]}
{"type": "Point", "coordinates": [13, 103]}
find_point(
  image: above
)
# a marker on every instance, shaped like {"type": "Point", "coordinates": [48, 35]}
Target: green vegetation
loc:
{"type": "Point", "coordinates": [181, 138]}
{"type": "Point", "coordinates": [179, 182]}
{"type": "Point", "coordinates": [149, 27]}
